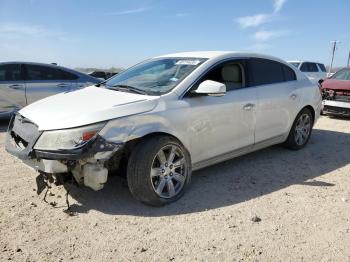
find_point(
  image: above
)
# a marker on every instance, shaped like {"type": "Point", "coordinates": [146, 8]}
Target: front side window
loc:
{"type": "Point", "coordinates": [10, 72]}
{"type": "Point", "coordinates": [230, 73]}
{"type": "Point", "coordinates": [156, 76]}
{"type": "Point", "coordinates": [342, 75]}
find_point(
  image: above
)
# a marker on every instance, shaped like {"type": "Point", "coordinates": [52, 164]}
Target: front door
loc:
{"type": "Point", "coordinates": [220, 125]}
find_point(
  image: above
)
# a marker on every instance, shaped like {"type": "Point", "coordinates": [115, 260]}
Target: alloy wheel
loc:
{"type": "Point", "coordinates": [302, 129]}
{"type": "Point", "coordinates": [168, 171]}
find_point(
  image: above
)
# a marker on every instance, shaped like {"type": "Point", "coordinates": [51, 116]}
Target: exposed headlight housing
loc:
{"type": "Point", "coordinates": [68, 139]}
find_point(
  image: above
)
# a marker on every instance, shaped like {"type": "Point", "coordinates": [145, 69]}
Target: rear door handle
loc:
{"type": "Point", "coordinates": [16, 86]}
{"type": "Point", "coordinates": [293, 96]}
{"type": "Point", "coordinates": [248, 107]}
{"type": "Point", "coordinates": [63, 85]}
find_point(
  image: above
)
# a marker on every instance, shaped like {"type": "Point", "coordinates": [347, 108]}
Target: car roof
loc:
{"type": "Point", "coordinates": [46, 64]}
{"type": "Point", "coordinates": [220, 55]}
{"type": "Point", "coordinates": [38, 63]}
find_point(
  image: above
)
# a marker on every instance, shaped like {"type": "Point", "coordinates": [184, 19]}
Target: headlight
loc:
{"type": "Point", "coordinates": [66, 139]}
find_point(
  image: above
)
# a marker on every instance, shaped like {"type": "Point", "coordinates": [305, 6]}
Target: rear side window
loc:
{"type": "Point", "coordinates": [308, 67]}
{"type": "Point", "coordinates": [46, 73]}
{"type": "Point", "coordinates": [68, 75]}
{"type": "Point", "coordinates": [322, 67]}
{"type": "Point", "coordinates": [10, 72]}
{"type": "Point", "coordinates": [264, 72]}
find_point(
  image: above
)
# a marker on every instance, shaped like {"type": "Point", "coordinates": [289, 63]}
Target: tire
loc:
{"type": "Point", "coordinates": [156, 178]}
{"type": "Point", "coordinates": [294, 141]}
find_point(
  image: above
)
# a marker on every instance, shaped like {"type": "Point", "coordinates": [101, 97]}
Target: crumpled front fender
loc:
{"type": "Point", "coordinates": [126, 129]}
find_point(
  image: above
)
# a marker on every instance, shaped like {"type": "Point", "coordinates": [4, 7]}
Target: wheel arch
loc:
{"type": "Point", "coordinates": [312, 110]}
{"type": "Point", "coordinates": [133, 142]}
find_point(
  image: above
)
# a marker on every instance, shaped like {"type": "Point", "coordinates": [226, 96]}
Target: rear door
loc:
{"type": "Point", "coordinates": [277, 97]}
{"type": "Point", "coordinates": [12, 88]}
{"type": "Point", "coordinates": [43, 81]}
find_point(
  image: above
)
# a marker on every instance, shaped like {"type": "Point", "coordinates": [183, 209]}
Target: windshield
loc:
{"type": "Point", "coordinates": [296, 64]}
{"type": "Point", "coordinates": [342, 75]}
{"type": "Point", "coordinates": [156, 76]}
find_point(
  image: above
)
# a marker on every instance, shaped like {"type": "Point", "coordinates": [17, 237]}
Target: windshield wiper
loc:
{"type": "Point", "coordinates": [129, 89]}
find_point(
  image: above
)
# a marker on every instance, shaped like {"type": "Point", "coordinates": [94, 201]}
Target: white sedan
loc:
{"type": "Point", "coordinates": [166, 117]}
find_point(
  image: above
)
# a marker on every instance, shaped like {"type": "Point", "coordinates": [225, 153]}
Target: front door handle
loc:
{"type": "Point", "coordinates": [248, 107]}
{"type": "Point", "coordinates": [16, 86]}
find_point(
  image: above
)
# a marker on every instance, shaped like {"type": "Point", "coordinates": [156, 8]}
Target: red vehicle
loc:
{"type": "Point", "coordinates": [336, 93]}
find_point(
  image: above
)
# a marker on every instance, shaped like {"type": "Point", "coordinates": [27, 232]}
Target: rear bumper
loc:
{"type": "Point", "coordinates": [336, 108]}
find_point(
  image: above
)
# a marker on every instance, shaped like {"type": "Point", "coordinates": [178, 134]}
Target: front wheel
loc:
{"type": "Point", "coordinates": [159, 170]}
{"type": "Point", "coordinates": [300, 132]}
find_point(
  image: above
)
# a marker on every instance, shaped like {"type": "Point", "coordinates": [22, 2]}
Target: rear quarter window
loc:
{"type": "Point", "coordinates": [289, 74]}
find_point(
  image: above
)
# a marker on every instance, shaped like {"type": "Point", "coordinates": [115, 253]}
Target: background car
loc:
{"type": "Point", "coordinates": [22, 83]}
{"type": "Point", "coordinates": [336, 93]}
{"type": "Point", "coordinates": [102, 75]}
{"type": "Point", "coordinates": [313, 70]}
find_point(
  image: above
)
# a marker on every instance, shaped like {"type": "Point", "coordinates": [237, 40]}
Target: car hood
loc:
{"type": "Point", "coordinates": [335, 84]}
{"type": "Point", "coordinates": [86, 106]}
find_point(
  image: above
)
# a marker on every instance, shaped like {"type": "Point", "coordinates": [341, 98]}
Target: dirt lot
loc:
{"type": "Point", "coordinates": [302, 199]}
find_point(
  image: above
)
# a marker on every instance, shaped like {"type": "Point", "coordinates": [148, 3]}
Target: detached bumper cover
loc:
{"type": "Point", "coordinates": [336, 107]}
{"type": "Point", "coordinates": [22, 135]}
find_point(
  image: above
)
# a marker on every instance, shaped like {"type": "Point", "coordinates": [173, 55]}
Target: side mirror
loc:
{"type": "Point", "coordinates": [211, 88]}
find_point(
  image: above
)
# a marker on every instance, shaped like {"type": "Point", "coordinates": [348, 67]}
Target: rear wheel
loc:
{"type": "Point", "coordinates": [159, 170]}
{"type": "Point", "coordinates": [300, 132]}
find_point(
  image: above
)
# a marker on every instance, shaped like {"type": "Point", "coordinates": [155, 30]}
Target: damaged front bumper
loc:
{"type": "Point", "coordinates": [87, 163]}
{"type": "Point", "coordinates": [336, 107]}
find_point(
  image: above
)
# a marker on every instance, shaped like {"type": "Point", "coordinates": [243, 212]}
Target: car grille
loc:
{"type": "Point", "coordinates": [22, 135]}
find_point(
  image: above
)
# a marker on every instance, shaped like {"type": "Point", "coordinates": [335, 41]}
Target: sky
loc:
{"type": "Point", "coordinates": [120, 33]}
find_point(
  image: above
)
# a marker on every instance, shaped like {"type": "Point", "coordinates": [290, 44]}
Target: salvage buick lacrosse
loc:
{"type": "Point", "coordinates": [166, 117]}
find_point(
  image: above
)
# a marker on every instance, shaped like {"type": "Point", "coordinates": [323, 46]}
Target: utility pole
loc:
{"type": "Point", "coordinates": [349, 60]}
{"type": "Point", "coordinates": [334, 47]}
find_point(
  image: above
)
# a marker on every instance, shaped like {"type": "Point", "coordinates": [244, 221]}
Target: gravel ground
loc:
{"type": "Point", "coordinates": [271, 205]}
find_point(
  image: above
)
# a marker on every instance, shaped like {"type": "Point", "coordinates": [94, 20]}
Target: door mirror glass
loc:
{"type": "Point", "coordinates": [211, 88]}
